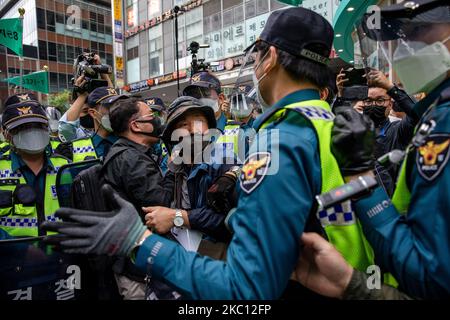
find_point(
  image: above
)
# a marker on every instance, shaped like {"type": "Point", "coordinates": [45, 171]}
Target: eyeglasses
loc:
{"type": "Point", "coordinates": [144, 119]}
{"type": "Point", "coordinates": [380, 102]}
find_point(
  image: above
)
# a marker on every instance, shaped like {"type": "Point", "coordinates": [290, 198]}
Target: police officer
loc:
{"type": "Point", "coordinates": [91, 147]}
{"type": "Point", "coordinates": [291, 158]}
{"type": "Point", "coordinates": [239, 133]}
{"type": "Point", "coordinates": [410, 236]}
{"type": "Point", "coordinates": [160, 150]}
{"type": "Point", "coordinates": [207, 88]}
{"type": "Point", "coordinates": [28, 172]}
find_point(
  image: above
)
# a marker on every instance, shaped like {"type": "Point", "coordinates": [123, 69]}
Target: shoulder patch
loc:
{"type": "Point", "coordinates": [254, 170]}
{"type": "Point", "coordinates": [433, 156]}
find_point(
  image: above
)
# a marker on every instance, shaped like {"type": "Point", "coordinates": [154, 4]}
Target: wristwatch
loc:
{"type": "Point", "coordinates": [236, 170]}
{"type": "Point", "coordinates": [178, 221]}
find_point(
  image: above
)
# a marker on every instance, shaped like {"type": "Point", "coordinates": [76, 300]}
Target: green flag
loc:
{"type": "Point", "coordinates": [37, 81]}
{"type": "Point", "coordinates": [292, 2]}
{"type": "Point", "coordinates": [11, 34]}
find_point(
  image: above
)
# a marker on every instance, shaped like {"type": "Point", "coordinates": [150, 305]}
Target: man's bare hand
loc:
{"type": "Point", "coordinates": [376, 78]}
{"type": "Point", "coordinates": [340, 80]}
{"type": "Point", "coordinates": [321, 268]}
{"type": "Point", "coordinates": [159, 219]}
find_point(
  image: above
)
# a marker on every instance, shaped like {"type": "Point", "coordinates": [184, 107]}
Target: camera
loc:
{"type": "Point", "coordinates": [197, 65]}
{"type": "Point", "coordinates": [85, 65]}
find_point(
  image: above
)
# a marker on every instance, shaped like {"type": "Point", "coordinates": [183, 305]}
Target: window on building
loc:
{"type": "Point", "coordinates": [62, 81]}
{"type": "Point", "coordinates": [50, 21]}
{"type": "Point", "coordinates": [228, 17]}
{"type": "Point", "coordinates": [109, 59]}
{"type": "Point", "coordinates": [275, 4]}
{"type": "Point", "coordinates": [70, 53]}
{"type": "Point", "coordinates": [250, 9]}
{"type": "Point", "coordinates": [155, 51]}
{"type": "Point", "coordinates": [93, 27]}
{"type": "Point", "coordinates": [238, 14]}
{"type": "Point", "coordinates": [132, 53]}
{"type": "Point", "coordinates": [42, 50]}
{"type": "Point", "coordinates": [61, 53]}
{"type": "Point", "coordinates": [60, 18]}
{"type": "Point", "coordinates": [108, 30]}
{"type": "Point", "coordinates": [51, 51]}
{"type": "Point", "coordinates": [53, 82]}
{"type": "Point", "coordinates": [40, 14]}
{"type": "Point", "coordinates": [262, 6]}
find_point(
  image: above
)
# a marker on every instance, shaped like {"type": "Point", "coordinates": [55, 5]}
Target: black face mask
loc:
{"type": "Point", "coordinates": [157, 127]}
{"type": "Point", "coordinates": [376, 113]}
{"type": "Point", "coordinates": [87, 122]}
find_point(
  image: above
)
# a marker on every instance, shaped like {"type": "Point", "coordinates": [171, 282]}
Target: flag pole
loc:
{"type": "Point", "coordinates": [21, 13]}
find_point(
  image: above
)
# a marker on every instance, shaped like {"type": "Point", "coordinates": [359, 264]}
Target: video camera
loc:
{"type": "Point", "coordinates": [85, 65]}
{"type": "Point", "coordinates": [197, 65]}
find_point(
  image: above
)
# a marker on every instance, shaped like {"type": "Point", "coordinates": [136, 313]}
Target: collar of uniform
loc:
{"type": "Point", "coordinates": [426, 102]}
{"type": "Point", "coordinates": [18, 163]}
{"type": "Point", "coordinates": [297, 96]}
{"type": "Point", "coordinates": [97, 140]}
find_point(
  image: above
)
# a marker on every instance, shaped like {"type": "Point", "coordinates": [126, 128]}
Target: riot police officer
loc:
{"type": "Point", "coordinates": [410, 235]}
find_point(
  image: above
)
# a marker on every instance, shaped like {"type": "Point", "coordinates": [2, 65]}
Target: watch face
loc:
{"type": "Point", "coordinates": [178, 221]}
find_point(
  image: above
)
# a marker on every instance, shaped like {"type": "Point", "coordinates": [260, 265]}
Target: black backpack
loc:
{"type": "Point", "coordinates": [87, 182]}
{"type": "Point", "coordinates": [78, 186]}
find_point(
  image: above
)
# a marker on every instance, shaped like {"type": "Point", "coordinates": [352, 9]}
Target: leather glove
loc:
{"type": "Point", "coordinates": [222, 196]}
{"type": "Point", "coordinates": [352, 141]}
{"type": "Point", "coordinates": [115, 232]}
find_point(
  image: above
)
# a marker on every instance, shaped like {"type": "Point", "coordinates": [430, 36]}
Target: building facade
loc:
{"type": "Point", "coordinates": [55, 32]}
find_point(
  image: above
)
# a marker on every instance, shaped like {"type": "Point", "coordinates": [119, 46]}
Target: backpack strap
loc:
{"type": "Point", "coordinates": [114, 152]}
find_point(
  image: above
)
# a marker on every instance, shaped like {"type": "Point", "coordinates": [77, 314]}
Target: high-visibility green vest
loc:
{"type": "Point", "coordinates": [18, 219]}
{"type": "Point", "coordinates": [229, 140]}
{"type": "Point", "coordinates": [83, 148]}
{"type": "Point", "coordinates": [54, 144]}
{"type": "Point", "coordinates": [340, 223]}
{"type": "Point", "coordinates": [4, 147]}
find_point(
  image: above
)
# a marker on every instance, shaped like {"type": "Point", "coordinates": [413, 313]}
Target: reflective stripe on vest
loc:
{"type": "Point", "coordinates": [83, 148]}
{"type": "Point", "coordinates": [340, 224]}
{"type": "Point", "coordinates": [20, 220]}
{"type": "Point", "coordinates": [402, 195]}
{"type": "Point", "coordinates": [230, 139]}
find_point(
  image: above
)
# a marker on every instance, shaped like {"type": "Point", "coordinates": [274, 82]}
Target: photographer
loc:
{"type": "Point", "coordinates": [76, 122]}
{"type": "Point", "coordinates": [377, 106]}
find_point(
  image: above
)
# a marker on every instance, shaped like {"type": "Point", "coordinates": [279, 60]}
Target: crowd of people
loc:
{"type": "Point", "coordinates": [214, 196]}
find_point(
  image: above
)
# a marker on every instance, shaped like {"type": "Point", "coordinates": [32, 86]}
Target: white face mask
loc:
{"type": "Point", "coordinates": [214, 104]}
{"type": "Point", "coordinates": [421, 67]}
{"type": "Point", "coordinates": [31, 141]}
{"type": "Point", "coordinates": [256, 82]}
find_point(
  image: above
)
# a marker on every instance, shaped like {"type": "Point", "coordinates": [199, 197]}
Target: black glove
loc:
{"type": "Point", "coordinates": [352, 141]}
{"type": "Point", "coordinates": [222, 196]}
{"type": "Point", "coordinates": [115, 232]}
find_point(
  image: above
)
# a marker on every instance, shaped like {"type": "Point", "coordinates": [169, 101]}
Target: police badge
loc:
{"type": "Point", "coordinates": [254, 171]}
{"type": "Point", "coordinates": [433, 156]}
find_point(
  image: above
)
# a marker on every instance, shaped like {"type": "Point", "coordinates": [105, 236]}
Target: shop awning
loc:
{"type": "Point", "coordinates": [348, 13]}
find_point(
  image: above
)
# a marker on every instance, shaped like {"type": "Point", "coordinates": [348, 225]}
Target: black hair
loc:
{"type": "Point", "coordinates": [121, 114]}
{"type": "Point", "coordinates": [299, 68]}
